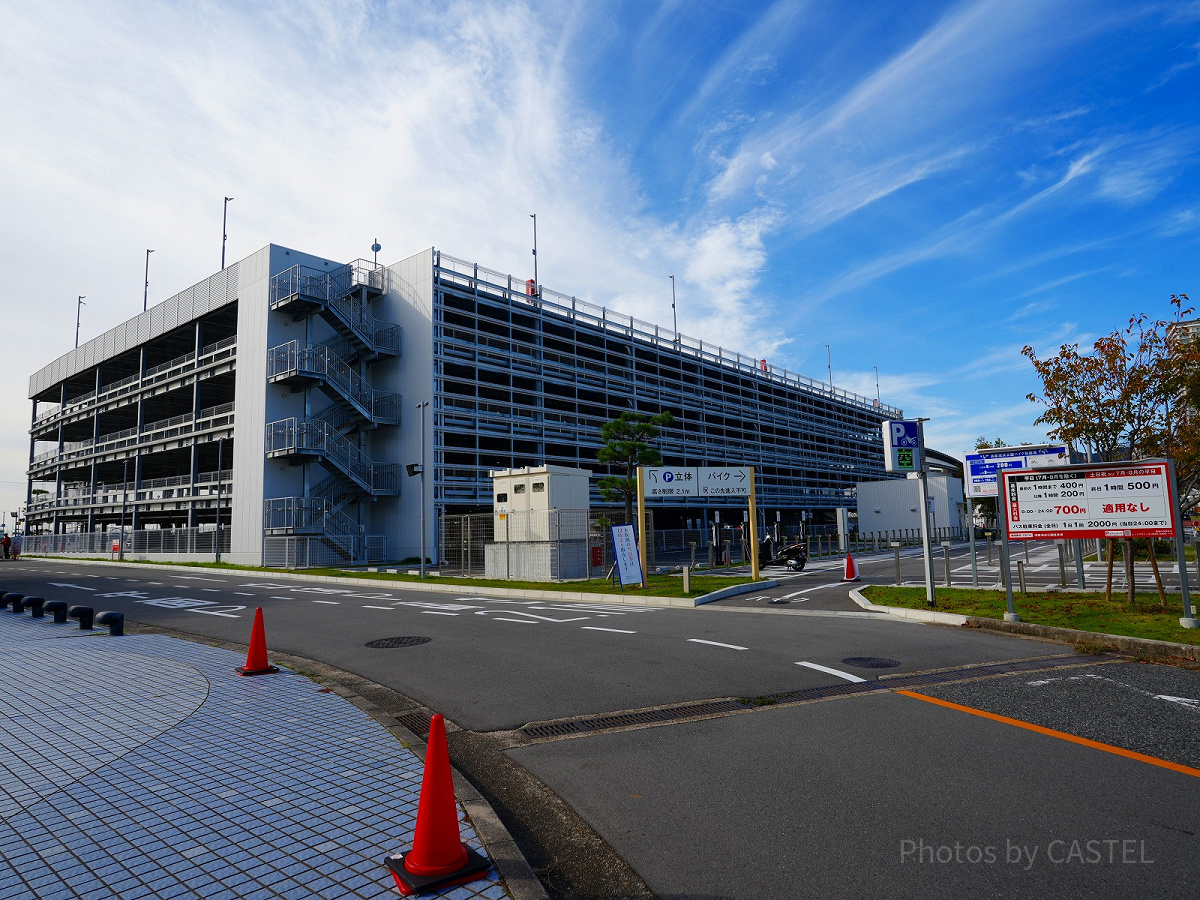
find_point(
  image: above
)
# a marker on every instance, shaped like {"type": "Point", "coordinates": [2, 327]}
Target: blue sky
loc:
{"type": "Point", "coordinates": [925, 187]}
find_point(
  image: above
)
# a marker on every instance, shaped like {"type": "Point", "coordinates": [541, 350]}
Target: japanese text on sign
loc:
{"type": "Point", "coordinates": [701, 481]}
{"type": "Point", "coordinates": [1088, 502]}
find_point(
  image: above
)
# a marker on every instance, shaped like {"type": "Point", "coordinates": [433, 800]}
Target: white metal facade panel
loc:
{"type": "Point", "coordinates": [212, 293]}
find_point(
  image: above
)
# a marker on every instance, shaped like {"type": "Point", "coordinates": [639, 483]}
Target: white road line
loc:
{"type": "Point", "coordinates": [716, 644]}
{"type": "Point", "coordinates": [283, 598]}
{"type": "Point", "coordinates": [830, 671]}
{"type": "Point", "coordinates": [243, 594]}
{"type": "Point", "coordinates": [336, 603]}
{"type": "Point", "coordinates": [613, 630]}
{"type": "Point", "coordinates": [199, 578]}
{"type": "Point", "coordinates": [518, 621]}
{"type": "Point", "coordinates": [792, 594]}
{"type": "Point", "coordinates": [212, 590]}
{"type": "Point", "coordinates": [437, 612]}
{"type": "Point", "coordinates": [389, 608]}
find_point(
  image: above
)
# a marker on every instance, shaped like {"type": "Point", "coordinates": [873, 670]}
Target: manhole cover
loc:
{"type": "Point", "coordinates": [870, 662]}
{"type": "Point", "coordinates": [389, 643]}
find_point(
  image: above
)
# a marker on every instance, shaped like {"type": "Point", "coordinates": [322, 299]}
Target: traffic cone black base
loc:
{"type": "Point", "coordinates": [408, 883]}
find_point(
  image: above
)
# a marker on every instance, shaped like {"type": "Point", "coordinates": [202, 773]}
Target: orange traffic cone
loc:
{"type": "Point", "coordinates": [438, 857]}
{"type": "Point", "coordinates": [851, 573]}
{"type": "Point", "coordinates": [256, 660]}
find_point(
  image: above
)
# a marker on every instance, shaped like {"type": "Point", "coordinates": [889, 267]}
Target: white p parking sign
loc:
{"type": "Point", "coordinates": [903, 447]}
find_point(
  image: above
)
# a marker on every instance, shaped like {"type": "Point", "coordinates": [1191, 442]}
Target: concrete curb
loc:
{"type": "Point", "coordinates": [1134, 645]}
{"type": "Point", "coordinates": [460, 590]}
{"type": "Point", "coordinates": [918, 615]}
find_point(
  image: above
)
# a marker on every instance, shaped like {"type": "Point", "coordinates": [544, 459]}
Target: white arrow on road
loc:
{"type": "Point", "coordinates": [78, 587]}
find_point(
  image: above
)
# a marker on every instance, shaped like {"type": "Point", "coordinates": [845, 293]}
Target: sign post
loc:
{"type": "Point", "coordinates": [904, 451]}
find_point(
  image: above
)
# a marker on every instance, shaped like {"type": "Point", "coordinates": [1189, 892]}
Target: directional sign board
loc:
{"type": "Point", "coordinates": [982, 467]}
{"type": "Point", "coordinates": [698, 481]}
{"type": "Point", "coordinates": [903, 449]}
{"type": "Point", "coordinates": [1128, 500]}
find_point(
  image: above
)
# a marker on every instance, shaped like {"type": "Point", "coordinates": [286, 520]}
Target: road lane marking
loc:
{"type": "Point", "coordinates": [336, 603]}
{"type": "Point", "coordinates": [518, 621]}
{"type": "Point", "coordinates": [244, 593]}
{"type": "Point", "coordinates": [716, 644]}
{"type": "Point", "coordinates": [437, 612]}
{"type": "Point", "coordinates": [792, 594]}
{"type": "Point", "coordinates": [388, 608]}
{"type": "Point", "coordinates": [1061, 735]}
{"type": "Point", "coordinates": [829, 671]}
{"type": "Point", "coordinates": [613, 630]}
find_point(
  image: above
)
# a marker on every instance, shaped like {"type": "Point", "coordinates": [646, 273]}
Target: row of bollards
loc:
{"type": "Point", "coordinates": [39, 607]}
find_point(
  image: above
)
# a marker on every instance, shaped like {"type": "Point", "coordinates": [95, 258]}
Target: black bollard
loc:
{"type": "Point", "coordinates": [14, 601]}
{"type": "Point", "coordinates": [58, 608]}
{"type": "Point", "coordinates": [114, 620]}
{"type": "Point", "coordinates": [34, 605]}
{"type": "Point", "coordinates": [84, 614]}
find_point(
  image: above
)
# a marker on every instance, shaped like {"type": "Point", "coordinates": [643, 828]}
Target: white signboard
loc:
{"type": "Point", "coordinates": [625, 549]}
{"type": "Point", "coordinates": [982, 466]}
{"type": "Point", "coordinates": [698, 481]}
{"type": "Point", "coordinates": [1128, 500]}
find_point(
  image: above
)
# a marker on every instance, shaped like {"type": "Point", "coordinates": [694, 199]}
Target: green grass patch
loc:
{"type": "Point", "coordinates": [1063, 609]}
{"type": "Point", "coordinates": [657, 585]}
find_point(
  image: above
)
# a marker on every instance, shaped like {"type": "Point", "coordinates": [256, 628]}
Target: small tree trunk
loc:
{"type": "Point", "coordinates": [1108, 551]}
{"type": "Point", "coordinates": [1162, 595]}
{"type": "Point", "coordinates": [1127, 546]}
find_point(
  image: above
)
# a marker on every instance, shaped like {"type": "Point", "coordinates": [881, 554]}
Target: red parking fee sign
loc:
{"type": "Point", "coordinates": [1126, 500]}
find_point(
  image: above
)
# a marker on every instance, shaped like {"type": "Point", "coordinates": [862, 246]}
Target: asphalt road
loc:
{"type": "Point", "coordinates": [855, 795]}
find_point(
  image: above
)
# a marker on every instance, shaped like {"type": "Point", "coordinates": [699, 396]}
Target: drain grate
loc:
{"type": "Point", "coordinates": [716, 707]}
{"type": "Point", "coordinates": [870, 662]}
{"type": "Point", "coordinates": [416, 722]}
{"type": "Point", "coordinates": [389, 643]}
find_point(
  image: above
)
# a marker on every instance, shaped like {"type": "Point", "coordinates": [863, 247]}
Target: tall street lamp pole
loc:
{"type": "Point", "coordinates": [146, 293]}
{"type": "Point", "coordinates": [674, 317]}
{"type": "Point", "coordinates": [78, 310]}
{"type": "Point", "coordinates": [422, 407]}
{"type": "Point", "coordinates": [877, 385]}
{"type": "Point", "coordinates": [224, 221]}
{"type": "Point", "coordinates": [829, 358]}
{"type": "Point", "coordinates": [537, 287]}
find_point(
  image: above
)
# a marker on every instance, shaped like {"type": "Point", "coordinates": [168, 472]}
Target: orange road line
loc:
{"type": "Point", "coordinates": [1073, 738]}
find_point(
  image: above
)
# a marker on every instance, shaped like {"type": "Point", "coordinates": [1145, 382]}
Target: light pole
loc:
{"type": "Point", "coordinates": [220, 461]}
{"type": "Point", "coordinates": [375, 248]}
{"type": "Point", "coordinates": [78, 310]}
{"type": "Point", "coordinates": [829, 359]}
{"type": "Point", "coordinates": [146, 292]}
{"type": "Point", "coordinates": [537, 289]}
{"type": "Point", "coordinates": [422, 407]}
{"type": "Point", "coordinates": [877, 385]}
{"type": "Point", "coordinates": [674, 317]}
{"type": "Point", "coordinates": [224, 220]}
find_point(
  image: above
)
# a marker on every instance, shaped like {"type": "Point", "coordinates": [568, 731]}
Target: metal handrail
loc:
{"type": "Point", "coordinates": [316, 436]}
{"type": "Point", "coordinates": [335, 291]}
{"type": "Point", "coordinates": [320, 361]}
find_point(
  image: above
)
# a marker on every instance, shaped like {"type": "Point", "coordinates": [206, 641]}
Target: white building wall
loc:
{"type": "Point", "coordinates": [256, 403]}
{"type": "Point", "coordinates": [408, 302]}
{"type": "Point", "coordinates": [894, 505]}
